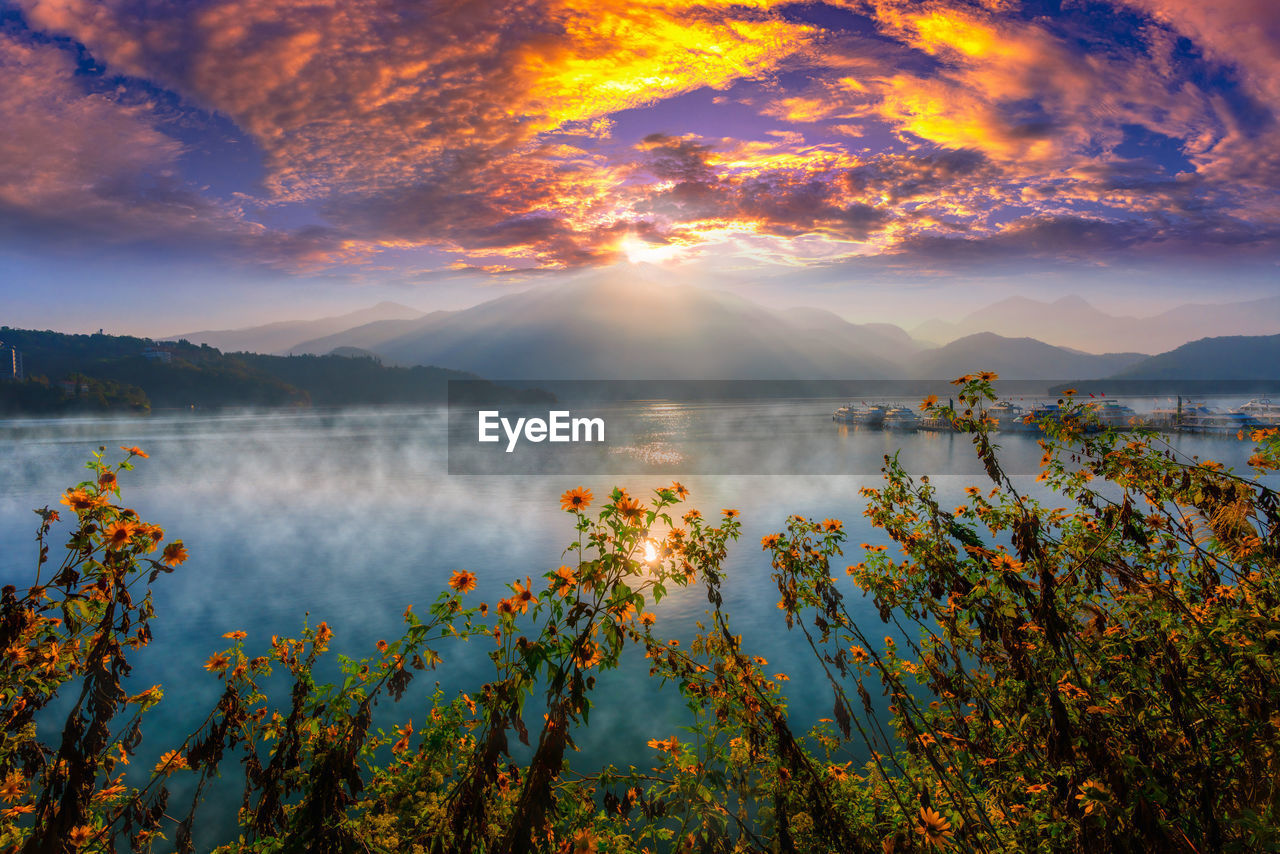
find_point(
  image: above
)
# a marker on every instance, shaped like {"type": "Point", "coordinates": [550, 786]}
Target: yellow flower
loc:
{"type": "Point", "coordinates": [575, 500]}
{"type": "Point", "coordinates": [463, 581]}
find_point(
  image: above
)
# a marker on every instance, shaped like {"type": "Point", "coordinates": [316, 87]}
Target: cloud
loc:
{"type": "Point", "coordinates": [550, 133]}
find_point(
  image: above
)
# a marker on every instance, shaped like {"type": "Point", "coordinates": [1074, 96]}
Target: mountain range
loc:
{"type": "Point", "coordinates": [279, 337]}
{"type": "Point", "coordinates": [628, 327]}
{"type": "Point", "coordinates": [1073, 322]}
{"type": "Point", "coordinates": [628, 324]}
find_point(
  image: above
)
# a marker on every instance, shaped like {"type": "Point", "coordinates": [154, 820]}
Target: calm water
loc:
{"type": "Point", "coordinates": [351, 516]}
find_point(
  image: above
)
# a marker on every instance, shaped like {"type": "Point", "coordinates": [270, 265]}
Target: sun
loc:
{"type": "Point", "coordinates": [650, 551]}
{"type": "Point", "coordinates": [639, 251]}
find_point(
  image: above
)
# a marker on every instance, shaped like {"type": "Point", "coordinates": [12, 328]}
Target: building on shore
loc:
{"type": "Point", "coordinates": [10, 363]}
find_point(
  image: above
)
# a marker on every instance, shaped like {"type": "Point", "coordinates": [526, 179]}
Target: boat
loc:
{"type": "Point", "coordinates": [901, 419]}
{"type": "Point", "coordinates": [1170, 416]}
{"type": "Point", "coordinates": [1010, 417]}
{"type": "Point", "coordinates": [1112, 414]}
{"type": "Point", "coordinates": [860, 415]}
{"type": "Point", "coordinates": [1263, 411]}
{"type": "Point", "coordinates": [1217, 423]}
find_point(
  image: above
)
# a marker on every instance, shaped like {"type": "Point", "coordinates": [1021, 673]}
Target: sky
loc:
{"type": "Point", "coordinates": [167, 166]}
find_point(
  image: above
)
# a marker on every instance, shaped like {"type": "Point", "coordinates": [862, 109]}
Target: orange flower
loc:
{"type": "Point", "coordinates": [679, 490]}
{"type": "Point", "coordinates": [563, 582]}
{"type": "Point", "coordinates": [929, 401]}
{"type": "Point", "coordinates": [729, 513]}
{"type": "Point", "coordinates": [1005, 562]}
{"type": "Point", "coordinates": [782, 677]}
{"type": "Point", "coordinates": [108, 793]}
{"type": "Point", "coordinates": [171, 761]}
{"type": "Point", "coordinates": [80, 500]}
{"type": "Point", "coordinates": [20, 809]}
{"type": "Point", "coordinates": [14, 787]}
{"type": "Point", "coordinates": [647, 619]}
{"type": "Point", "coordinates": [832, 525]}
{"type": "Point", "coordinates": [628, 508]}
{"type": "Point", "coordinates": [118, 534]}
{"type": "Point", "coordinates": [1037, 788]}
{"type": "Point", "coordinates": [507, 607]}
{"type": "Point", "coordinates": [587, 657]}
{"type": "Point", "coordinates": [134, 450]}
{"type": "Point", "coordinates": [217, 662]}
{"type": "Point", "coordinates": [236, 635]}
{"type": "Point", "coordinates": [935, 829]}
{"type": "Point", "coordinates": [760, 660]}
{"type": "Point", "coordinates": [988, 376]}
{"type": "Point", "coordinates": [670, 745]}
{"type": "Point", "coordinates": [576, 500]}
{"type": "Point", "coordinates": [80, 835]}
{"type": "Point", "coordinates": [404, 732]}
{"type": "Point", "coordinates": [174, 553]}
{"type": "Point", "coordinates": [524, 595]}
{"type": "Point", "coordinates": [107, 480]}
{"type": "Point", "coordinates": [768, 541]}
{"type": "Point", "coordinates": [382, 646]}
{"type": "Point", "coordinates": [463, 581]}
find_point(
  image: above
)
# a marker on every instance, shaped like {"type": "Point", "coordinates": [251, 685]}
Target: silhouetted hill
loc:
{"type": "Point", "coordinates": [1232, 357]}
{"type": "Point", "coordinates": [1073, 322]}
{"type": "Point", "coordinates": [279, 337]}
{"type": "Point", "coordinates": [1017, 359]}
{"type": "Point", "coordinates": [78, 372]}
{"type": "Point", "coordinates": [615, 325]}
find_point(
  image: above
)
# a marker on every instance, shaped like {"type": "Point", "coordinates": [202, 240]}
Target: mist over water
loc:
{"type": "Point", "coordinates": [351, 516]}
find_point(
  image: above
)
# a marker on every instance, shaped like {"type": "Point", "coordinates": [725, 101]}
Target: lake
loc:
{"type": "Point", "coordinates": [350, 516]}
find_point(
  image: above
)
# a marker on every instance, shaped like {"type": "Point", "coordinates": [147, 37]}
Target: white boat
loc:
{"type": "Point", "coordinates": [860, 415]}
{"type": "Point", "coordinates": [1219, 423]}
{"type": "Point", "coordinates": [901, 418]}
{"type": "Point", "coordinates": [1112, 413]}
{"type": "Point", "coordinates": [1009, 417]}
{"type": "Point", "coordinates": [1263, 411]}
